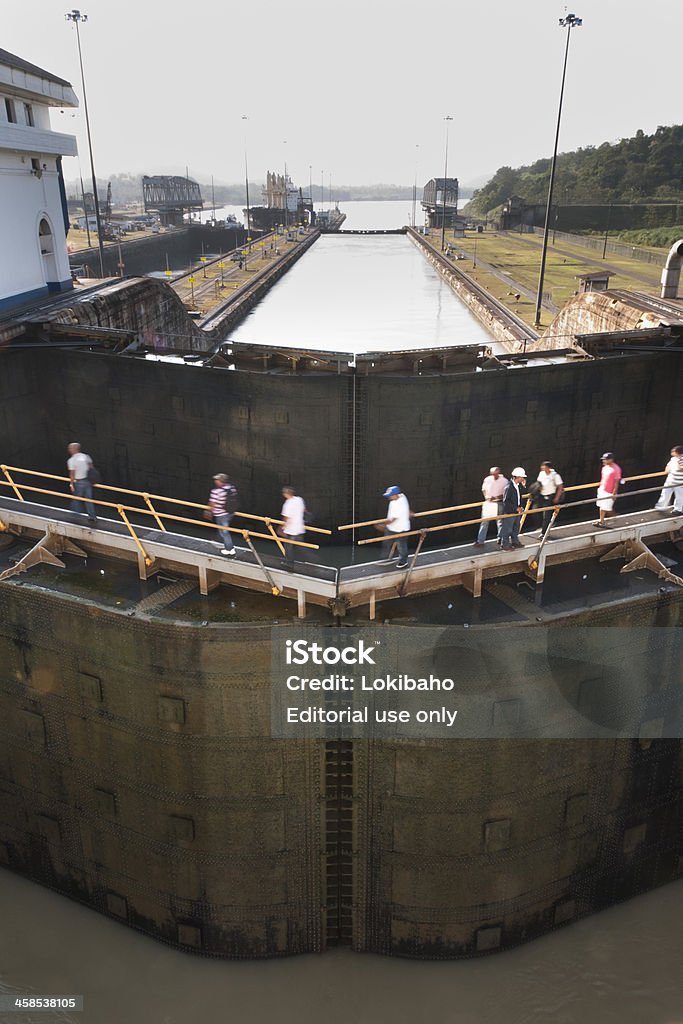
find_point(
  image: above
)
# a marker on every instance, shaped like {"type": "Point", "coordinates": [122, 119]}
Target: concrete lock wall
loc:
{"type": "Point", "coordinates": [438, 436]}
{"type": "Point", "coordinates": [137, 775]}
{"type": "Point", "coordinates": [167, 428]}
{"type": "Point", "coordinates": [23, 439]}
{"type": "Point", "coordinates": [470, 847]}
{"type": "Point", "coordinates": [142, 255]}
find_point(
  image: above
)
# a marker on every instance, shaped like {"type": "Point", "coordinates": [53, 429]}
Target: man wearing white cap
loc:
{"type": "Point", "coordinates": [397, 521]}
{"type": "Point", "coordinates": [607, 491]}
{"type": "Point", "coordinates": [512, 507]}
{"type": "Point", "coordinates": [493, 489]}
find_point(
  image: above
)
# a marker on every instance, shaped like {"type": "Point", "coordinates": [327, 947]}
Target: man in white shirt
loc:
{"type": "Point", "coordinates": [550, 495]}
{"type": "Point", "coordinates": [294, 527]}
{"type": "Point", "coordinates": [79, 465]}
{"type": "Point", "coordinates": [493, 489]}
{"type": "Point", "coordinates": [397, 521]}
{"type": "Point", "coordinates": [673, 485]}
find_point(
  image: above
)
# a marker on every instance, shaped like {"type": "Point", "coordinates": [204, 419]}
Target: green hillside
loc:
{"type": "Point", "coordinates": [645, 167]}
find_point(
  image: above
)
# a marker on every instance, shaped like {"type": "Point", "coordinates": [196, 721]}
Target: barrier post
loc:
{"type": "Point", "coordinates": [12, 483]}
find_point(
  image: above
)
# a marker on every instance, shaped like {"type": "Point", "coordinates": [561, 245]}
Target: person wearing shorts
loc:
{"type": "Point", "coordinates": [607, 490]}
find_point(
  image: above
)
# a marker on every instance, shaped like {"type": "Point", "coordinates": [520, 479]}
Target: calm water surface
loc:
{"type": "Point", "coordinates": [619, 967]}
{"type": "Point", "coordinates": [359, 293]}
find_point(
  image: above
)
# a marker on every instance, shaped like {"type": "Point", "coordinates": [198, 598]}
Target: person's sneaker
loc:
{"type": "Point", "coordinates": [230, 552]}
{"type": "Point", "coordinates": [92, 521]}
{"type": "Point", "coordinates": [401, 565]}
{"type": "Point", "coordinates": [517, 544]}
{"type": "Point", "coordinates": [506, 547]}
{"type": "Point", "coordinates": [479, 544]}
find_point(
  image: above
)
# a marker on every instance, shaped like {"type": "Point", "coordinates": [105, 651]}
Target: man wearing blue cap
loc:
{"type": "Point", "coordinates": [397, 521]}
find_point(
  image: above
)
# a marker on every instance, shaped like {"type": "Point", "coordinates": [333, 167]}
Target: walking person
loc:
{"type": "Point", "coordinates": [607, 490]}
{"type": "Point", "coordinates": [493, 488]}
{"type": "Point", "coordinates": [397, 521]}
{"type": "Point", "coordinates": [512, 507]}
{"type": "Point", "coordinates": [294, 526]}
{"type": "Point", "coordinates": [672, 492]}
{"type": "Point", "coordinates": [550, 495]}
{"type": "Point", "coordinates": [79, 466]}
{"type": "Point", "coordinates": [223, 503]}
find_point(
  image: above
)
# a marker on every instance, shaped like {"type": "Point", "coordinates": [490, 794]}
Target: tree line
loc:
{"type": "Point", "coordinates": [639, 169]}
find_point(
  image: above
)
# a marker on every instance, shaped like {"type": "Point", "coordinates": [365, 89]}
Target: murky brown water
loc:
{"type": "Point", "coordinates": [622, 966]}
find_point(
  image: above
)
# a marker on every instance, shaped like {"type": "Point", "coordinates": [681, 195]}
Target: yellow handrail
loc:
{"type": "Point", "coordinates": [146, 512]}
{"type": "Point", "coordinates": [448, 526]}
{"type": "Point", "coordinates": [11, 482]}
{"type": "Point", "coordinates": [267, 520]}
{"type": "Point", "coordinates": [148, 560]}
{"type": "Point", "coordinates": [477, 504]}
{"type": "Point", "coordinates": [147, 497]}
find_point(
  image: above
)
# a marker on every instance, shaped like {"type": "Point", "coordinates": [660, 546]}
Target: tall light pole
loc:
{"type": "Point", "coordinates": [77, 17]}
{"type": "Point", "coordinates": [246, 178]}
{"type": "Point", "coordinates": [417, 155]}
{"type": "Point", "coordinates": [569, 22]}
{"type": "Point", "coordinates": [284, 143]}
{"type": "Point", "coordinates": [447, 118]}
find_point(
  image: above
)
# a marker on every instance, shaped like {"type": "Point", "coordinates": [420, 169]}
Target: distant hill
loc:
{"type": "Point", "coordinates": [644, 167]}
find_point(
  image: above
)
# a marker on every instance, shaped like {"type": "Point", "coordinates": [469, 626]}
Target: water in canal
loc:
{"type": "Point", "coordinates": [621, 966]}
{"type": "Point", "coordinates": [359, 293]}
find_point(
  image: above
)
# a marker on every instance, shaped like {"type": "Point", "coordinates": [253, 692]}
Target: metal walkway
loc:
{"type": "Point", "coordinates": [58, 532]}
{"type": "Point", "coordinates": [61, 532]}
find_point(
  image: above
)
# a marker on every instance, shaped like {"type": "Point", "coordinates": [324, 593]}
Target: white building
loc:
{"type": "Point", "coordinates": [33, 211]}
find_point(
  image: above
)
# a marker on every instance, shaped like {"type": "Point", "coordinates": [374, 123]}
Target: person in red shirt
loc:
{"type": "Point", "coordinates": [607, 491]}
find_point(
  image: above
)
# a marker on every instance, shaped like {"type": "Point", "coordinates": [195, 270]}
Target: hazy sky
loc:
{"type": "Point", "coordinates": [354, 86]}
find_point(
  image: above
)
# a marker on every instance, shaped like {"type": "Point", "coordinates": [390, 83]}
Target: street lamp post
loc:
{"type": "Point", "coordinates": [77, 17]}
{"type": "Point", "coordinates": [447, 118]}
{"type": "Point", "coordinates": [609, 217]}
{"type": "Point", "coordinates": [246, 177]}
{"type": "Point", "coordinates": [569, 22]}
{"type": "Point", "coordinates": [417, 154]}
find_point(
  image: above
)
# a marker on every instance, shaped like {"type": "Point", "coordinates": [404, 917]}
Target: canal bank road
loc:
{"type": "Point", "coordinates": [208, 285]}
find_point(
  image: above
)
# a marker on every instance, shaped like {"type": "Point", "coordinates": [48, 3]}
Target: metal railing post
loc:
{"type": "Point", "coordinates": [147, 558]}
{"type": "Point", "coordinates": [154, 512]}
{"type": "Point", "coordinates": [12, 483]}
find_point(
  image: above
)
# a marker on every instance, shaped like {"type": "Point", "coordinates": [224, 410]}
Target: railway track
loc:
{"type": "Point", "coordinates": [515, 324]}
{"type": "Point", "coordinates": [668, 310]}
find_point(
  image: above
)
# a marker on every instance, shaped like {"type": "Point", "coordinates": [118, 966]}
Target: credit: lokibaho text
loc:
{"type": "Point", "coordinates": [402, 683]}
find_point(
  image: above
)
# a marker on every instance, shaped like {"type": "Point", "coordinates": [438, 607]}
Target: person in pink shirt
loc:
{"type": "Point", "coordinates": [607, 491]}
